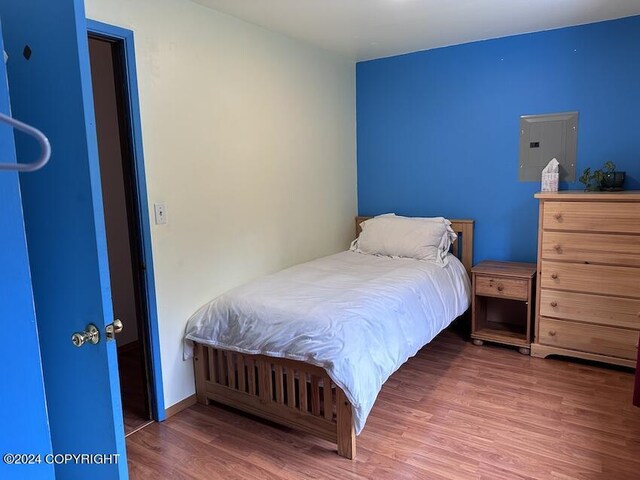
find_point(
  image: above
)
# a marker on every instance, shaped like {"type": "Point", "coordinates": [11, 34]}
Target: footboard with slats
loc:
{"type": "Point", "coordinates": [288, 392]}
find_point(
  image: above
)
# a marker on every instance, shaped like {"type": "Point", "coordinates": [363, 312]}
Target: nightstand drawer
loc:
{"type": "Point", "coordinates": [615, 342]}
{"type": "Point", "coordinates": [599, 279]}
{"type": "Point", "coordinates": [501, 287]}
{"type": "Point", "coordinates": [605, 310]}
{"type": "Point", "coordinates": [621, 217]}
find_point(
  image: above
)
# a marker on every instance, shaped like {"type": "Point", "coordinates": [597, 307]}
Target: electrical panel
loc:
{"type": "Point", "coordinates": [543, 137]}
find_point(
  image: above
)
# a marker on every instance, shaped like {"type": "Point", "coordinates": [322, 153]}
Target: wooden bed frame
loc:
{"type": "Point", "coordinates": [288, 392]}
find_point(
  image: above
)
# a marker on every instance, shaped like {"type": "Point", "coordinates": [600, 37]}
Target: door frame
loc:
{"type": "Point", "coordinates": [112, 32]}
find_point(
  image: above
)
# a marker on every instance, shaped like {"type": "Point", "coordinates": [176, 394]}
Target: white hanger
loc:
{"type": "Point", "coordinates": [45, 147]}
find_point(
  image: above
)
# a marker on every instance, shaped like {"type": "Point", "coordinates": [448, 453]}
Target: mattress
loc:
{"type": "Point", "coordinates": [358, 316]}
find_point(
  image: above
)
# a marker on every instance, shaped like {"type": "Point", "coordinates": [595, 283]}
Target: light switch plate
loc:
{"type": "Point", "coordinates": [161, 213]}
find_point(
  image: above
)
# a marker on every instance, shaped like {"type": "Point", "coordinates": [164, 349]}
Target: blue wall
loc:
{"type": "Point", "coordinates": [24, 426]}
{"type": "Point", "coordinates": [438, 130]}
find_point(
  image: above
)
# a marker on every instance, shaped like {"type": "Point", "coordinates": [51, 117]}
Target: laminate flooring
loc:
{"type": "Point", "coordinates": [454, 411]}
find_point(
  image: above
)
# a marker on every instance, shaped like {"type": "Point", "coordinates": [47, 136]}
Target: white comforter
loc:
{"type": "Point", "coordinates": [358, 316]}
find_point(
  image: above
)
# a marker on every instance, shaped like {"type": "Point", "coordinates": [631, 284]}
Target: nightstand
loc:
{"type": "Point", "coordinates": [503, 303]}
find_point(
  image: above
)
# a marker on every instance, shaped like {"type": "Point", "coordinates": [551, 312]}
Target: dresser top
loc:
{"type": "Point", "coordinates": [624, 196]}
{"type": "Point", "coordinates": [507, 269]}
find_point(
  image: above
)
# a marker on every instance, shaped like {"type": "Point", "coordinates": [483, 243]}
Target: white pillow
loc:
{"type": "Point", "coordinates": [393, 236]}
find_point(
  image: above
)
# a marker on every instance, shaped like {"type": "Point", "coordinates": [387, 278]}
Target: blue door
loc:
{"type": "Point", "coordinates": [24, 428]}
{"type": "Point", "coordinates": [49, 78]}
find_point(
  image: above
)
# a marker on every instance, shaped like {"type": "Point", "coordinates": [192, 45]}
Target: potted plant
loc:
{"type": "Point", "coordinates": [611, 179]}
{"type": "Point", "coordinates": [606, 179]}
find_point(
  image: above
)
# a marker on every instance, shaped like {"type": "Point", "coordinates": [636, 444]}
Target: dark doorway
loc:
{"type": "Point", "coordinates": [124, 245]}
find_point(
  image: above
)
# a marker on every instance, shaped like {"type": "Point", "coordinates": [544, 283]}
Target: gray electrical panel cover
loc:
{"type": "Point", "coordinates": [543, 137]}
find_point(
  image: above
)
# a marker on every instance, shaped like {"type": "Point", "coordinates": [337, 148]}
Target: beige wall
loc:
{"type": "Point", "coordinates": [249, 138]}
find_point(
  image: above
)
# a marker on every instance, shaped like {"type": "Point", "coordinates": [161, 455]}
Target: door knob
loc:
{"type": "Point", "coordinates": [91, 335]}
{"type": "Point", "coordinates": [113, 328]}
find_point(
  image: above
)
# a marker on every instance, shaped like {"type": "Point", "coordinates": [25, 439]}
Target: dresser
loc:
{"type": "Point", "coordinates": [588, 290]}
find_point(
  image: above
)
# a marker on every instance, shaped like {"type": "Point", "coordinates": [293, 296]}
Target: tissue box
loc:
{"type": "Point", "coordinates": [550, 182]}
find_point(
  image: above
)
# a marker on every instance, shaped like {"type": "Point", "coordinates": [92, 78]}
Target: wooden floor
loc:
{"type": "Point", "coordinates": [455, 411]}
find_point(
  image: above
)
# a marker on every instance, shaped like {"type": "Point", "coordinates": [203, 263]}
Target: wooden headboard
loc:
{"type": "Point", "coordinates": [461, 248]}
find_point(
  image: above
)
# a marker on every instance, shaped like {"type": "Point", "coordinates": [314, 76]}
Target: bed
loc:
{"type": "Point", "coordinates": [306, 347]}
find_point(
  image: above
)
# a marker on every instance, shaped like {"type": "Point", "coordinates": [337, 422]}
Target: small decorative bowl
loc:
{"type": "Point", "coordinates": [613, 181]}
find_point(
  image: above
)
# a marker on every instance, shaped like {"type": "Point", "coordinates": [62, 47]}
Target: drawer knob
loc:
{"type": "Point", "coordinates": [500, 288]}
{"type": "Point", "coordinates": [554, 276]}
{"type": "Point", "coordinates": [554, 304]}
{"type": "Point", "coordinates": [558, 248]}
{"type": "Point", "coordinates": [557, 216]}
{"type": "Point", "coordinates": [552, 333]}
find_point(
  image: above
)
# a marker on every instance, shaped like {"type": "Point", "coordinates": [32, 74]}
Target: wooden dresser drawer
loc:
{"type": "Point", "coordinates": [611, 311]}
{"type": "Point", "coordinates": [616, 342]}
{"type": "Point", "coordinates": [592, 248]}
{"type": "Point", "coordinates": [618, 217]}
{"type": "Point", "coordinates": [501, 287]}
{"type": "Point", "coordinates": [599, 279]}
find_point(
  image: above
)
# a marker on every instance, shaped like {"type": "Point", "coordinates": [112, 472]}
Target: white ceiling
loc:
{"type": "Point", "coordinates": [366, 29]}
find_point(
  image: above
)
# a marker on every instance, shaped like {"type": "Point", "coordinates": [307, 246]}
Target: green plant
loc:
{"type": "Point", "coordinates": [592, 181]}
{"type": "Point", "coordinates": [609, 166]}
